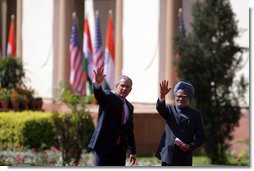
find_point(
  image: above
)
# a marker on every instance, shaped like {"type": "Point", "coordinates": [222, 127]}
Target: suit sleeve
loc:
{"type": "Point", "coordinates": [131, 146]}
{"type": "Point", "coordinates": [161, 108]}
{"type": "Point", "coordinates": [99, 94]}
{"type": "Point", "coordinates": [199, 135]}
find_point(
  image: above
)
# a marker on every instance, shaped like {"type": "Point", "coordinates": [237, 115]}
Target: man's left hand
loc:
{"type": "Point", "coordinates": [133, 159]}
{"type": "Point", "coordinates": [185, 147]}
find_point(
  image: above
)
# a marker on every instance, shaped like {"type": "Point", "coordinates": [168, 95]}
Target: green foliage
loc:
{"type": "Point", "coordinates": [73, 100]}
{"type": "Point", "coordinates": [39, 133]}
{"type": "Point", "coordinates": [12, 73]}
{"type": "Point", "coordinates": [26, 92]}
{"type": "Point", "coordinates": [4, 95]}
{"type": "Point", "coordinates": [69, 97]}
{"type": "Point", "coordinates": [17, 98]}
{"type": "Point", "coordinates": [30, 129]}
{"type": "Point", "coordinates": [90, 99]}
{"type": "Point", "coordinates": [209, 59]}
{"type": "Point", "coordinates": [73, 132]}
{"type": "Point", "coordinates": [73, 128]}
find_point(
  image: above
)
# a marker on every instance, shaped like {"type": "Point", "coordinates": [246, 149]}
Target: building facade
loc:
{"type": "Point", "coordinates": [144, 33]}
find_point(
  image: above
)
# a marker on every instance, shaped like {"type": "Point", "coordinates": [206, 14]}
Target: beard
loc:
{"type": "Point", "coordinates": [180, 105]}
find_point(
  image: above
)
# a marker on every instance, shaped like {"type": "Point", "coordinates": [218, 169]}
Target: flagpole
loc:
{"type": "Point", "coordinates": [74, 15]}
{"type": "Point", "coordinates": [180, 12]}
{"type": "Point", "coordinates": [110, 12]}
{"type": "Point", "coordinates": [96, 13]}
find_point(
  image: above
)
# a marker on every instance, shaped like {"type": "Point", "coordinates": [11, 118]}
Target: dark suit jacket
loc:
{"type": "Point", "coordinates": [109, 123]}
{"type": "Point", "coordinates": [187, 125]}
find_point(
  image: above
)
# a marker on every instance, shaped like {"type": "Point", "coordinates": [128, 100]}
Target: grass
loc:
{"type": "Point", "coordinates": [201, 161]}
{"type": "Point", "coordinates": [198, 161]}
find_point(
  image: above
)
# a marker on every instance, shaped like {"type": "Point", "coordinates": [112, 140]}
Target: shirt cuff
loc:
{"type": "Point", "coordinates": [161, 99]}
{"type": "Point", "coordinates": [96, 85]}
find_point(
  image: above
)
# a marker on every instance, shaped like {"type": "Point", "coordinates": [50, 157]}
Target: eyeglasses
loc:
{"type": "Point", "coordinates": [183, 97]}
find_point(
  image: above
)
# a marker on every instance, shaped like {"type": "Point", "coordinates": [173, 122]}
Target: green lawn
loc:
{"type": "Point", "coordinates": [202, 161]}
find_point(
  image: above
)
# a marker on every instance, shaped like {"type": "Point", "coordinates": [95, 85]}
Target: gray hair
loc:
{"type": "Point", "coordinates": [124, 77]}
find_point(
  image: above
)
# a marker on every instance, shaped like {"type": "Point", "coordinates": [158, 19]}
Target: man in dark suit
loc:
{"type": "Point", "coordinates": [113, 136]}
{"type": "Point", "coordinates": [184, 129]}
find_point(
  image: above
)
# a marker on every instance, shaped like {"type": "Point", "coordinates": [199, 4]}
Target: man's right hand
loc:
{"type": "Point", "coordinates": [164, 89]}
{"type": "Point", "coordinates": [98, 75]}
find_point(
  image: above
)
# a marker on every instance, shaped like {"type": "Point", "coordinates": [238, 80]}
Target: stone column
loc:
{"type": "Point", "coordinates": [4, 26]}
{"type": "Point", "coordinates": [119, 39]}
{"type": "Point", "coordinates": [62, 44]}
{"type": "Point", "coordinates": [19, 29]}
{"type": "Point", "coordinates": [171, 29]}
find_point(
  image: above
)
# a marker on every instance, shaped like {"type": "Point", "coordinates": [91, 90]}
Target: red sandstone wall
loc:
{"type": "Point", "coordinates": [148, 127]}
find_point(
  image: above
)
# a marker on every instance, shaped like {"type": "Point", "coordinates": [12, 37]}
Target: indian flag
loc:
{"type": "Point", "coordinates": [109, 64]}
{"type": "Point", "coordinates": [11, 46]}
{"type": "Point", "coordinates": [88, 53]}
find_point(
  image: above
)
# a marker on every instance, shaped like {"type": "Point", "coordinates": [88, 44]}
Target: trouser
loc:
{"type": "Point", "coordinates": [164, 164]}
{"type": "Point", "coordinates": [116, 157]}
{"type": "Point", "coordinates": [179, 163]}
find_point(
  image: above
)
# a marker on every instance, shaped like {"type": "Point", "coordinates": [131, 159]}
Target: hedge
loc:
{"type": "Point", "coordinates": [32, 129]}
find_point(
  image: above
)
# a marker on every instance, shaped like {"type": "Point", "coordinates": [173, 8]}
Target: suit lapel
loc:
{"type": "Point", "coordinates": [177, 116]}
{"type": "Point", "coordinates": [129, 112]}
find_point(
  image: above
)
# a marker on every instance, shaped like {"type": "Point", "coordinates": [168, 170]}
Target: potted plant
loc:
{"type": "Point", "coordinates": [27, 95]}
{"type": "Point", "coordinates": [35, 103]}
{"type": "Point", "coordinates": [16, 99]}
{"type": "Point", "coordinates": [12, 74]}
{"type": "Point", "coordinates": [24, 102]}
{"type": "Point", "coordinates": [4, 98]}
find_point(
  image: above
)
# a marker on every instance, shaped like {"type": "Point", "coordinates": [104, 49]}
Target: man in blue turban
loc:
{"type": "Point", "coordinates": [184, 129]}
{"type": "Point", "coordinates": [187, 87]}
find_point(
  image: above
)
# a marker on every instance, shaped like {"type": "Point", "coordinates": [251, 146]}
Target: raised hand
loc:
{"type": "Point", "coordinates": [164, 89]}
{"type": "Point", "coordinates": [98, 75]}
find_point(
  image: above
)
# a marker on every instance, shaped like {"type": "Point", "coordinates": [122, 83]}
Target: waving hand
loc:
{"type": "Point", "coordinates": [98, 75]}
{"type": "Point", "coordinates": [164, 89]}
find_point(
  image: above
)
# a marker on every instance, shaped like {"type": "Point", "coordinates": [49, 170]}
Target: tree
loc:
{"type": "Point", "coordinates": [209, 59]}
{"type": "Point", "coordinates": [74, 128]}
{"type": "Point", "coordinates": [12, 73]}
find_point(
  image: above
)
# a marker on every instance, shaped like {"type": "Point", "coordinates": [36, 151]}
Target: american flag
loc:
{"type": "Point", "coordinates": [77, 81]}
{"type": "Point", "coordinates": [98, 49]}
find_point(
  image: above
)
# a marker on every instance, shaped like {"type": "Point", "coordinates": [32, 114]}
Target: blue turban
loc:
{"type": "Point", "coordinates": [187, 87]}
